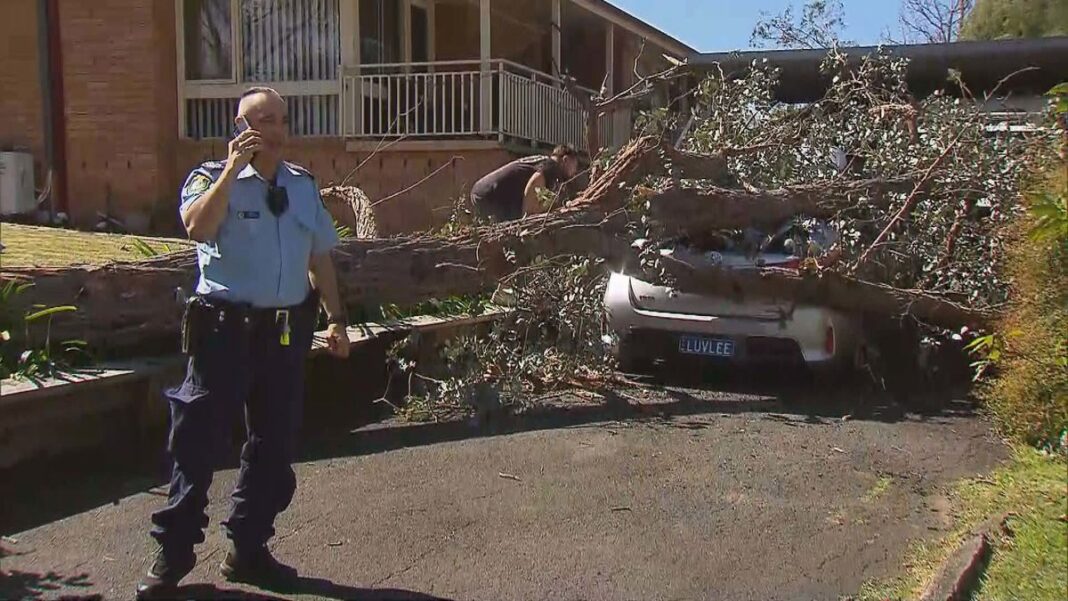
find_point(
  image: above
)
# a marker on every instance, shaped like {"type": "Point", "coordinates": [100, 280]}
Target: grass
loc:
{"type": "Point", "coordinates": [448, 307]}
{"type": "Point", "coordinates": [1030, 565]}
{"type": "Point", "coordinates": [879, 488]}
{"type": "Point", "coordinates": [31, 246]}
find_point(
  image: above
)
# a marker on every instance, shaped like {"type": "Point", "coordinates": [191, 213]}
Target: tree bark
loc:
{"type": "Point", "coordinates": [137, 306]}
{"type": "Point", "coordinates": [687, 211]}
{"type": "Point", "coordinates": [828, 288]}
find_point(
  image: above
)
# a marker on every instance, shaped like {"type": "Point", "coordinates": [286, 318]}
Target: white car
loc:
{"type": "Point", "coordinates": [651, 323]}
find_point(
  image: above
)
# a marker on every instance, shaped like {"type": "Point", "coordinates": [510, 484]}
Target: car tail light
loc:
{"type": "Point", "coordinates": [828, 340]}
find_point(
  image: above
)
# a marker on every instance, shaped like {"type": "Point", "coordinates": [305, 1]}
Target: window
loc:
{"type": "Point", "coordinates": [380, 31]}
{"type": "Point", "coordinates": [208, 40]}
{"type": "Point", "coordinates": [290, 40]}
{"type": "Point", "coordinates": [228, 45]}
{"type": "Point", "coordinates": [419, 35]}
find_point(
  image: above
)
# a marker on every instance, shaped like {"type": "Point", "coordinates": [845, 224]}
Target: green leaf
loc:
{"type": "Point", "coordinates": [13, 288]}
{"type": "Point", "coordinates": [143, 248]}
{"type": "Point", "coordinates": [1060, 89]}
{"type": "Point", "coordinates": [50, 311]}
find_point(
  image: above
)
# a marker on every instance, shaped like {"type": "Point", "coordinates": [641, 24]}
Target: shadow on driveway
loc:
{"type": "Point", "coordinates": [318, 587]}
{"type": "Point", "coordinates": [786, 399]}
{"type": "Point", "coordinates": [345, 425]}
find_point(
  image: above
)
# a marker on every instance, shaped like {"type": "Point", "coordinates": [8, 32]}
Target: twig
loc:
{"type": "Point", "coordinates": [367, 159]}
{"type": "Point", "coordinates": [967, 205]}
{"type": "Point", "coordinates": [451, 163]}
{"type": "Point", "coordinates": [379, 147]}
{"type": "Point", "coordinates": [914, 198]}
{"type": "Point", "coordinates": [638, 58]}
{"type": "Point", "coordinates": [458, 266]}
{"type": "Point", "coordinates": [910, 203]}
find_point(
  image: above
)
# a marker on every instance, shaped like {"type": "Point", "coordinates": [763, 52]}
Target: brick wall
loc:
{"type": "Point", "coordinates": [21, 119]}
{"type": "Point", "coordinates": [426, 206]}
{"type": "Point", "coordinates": [121, 106]}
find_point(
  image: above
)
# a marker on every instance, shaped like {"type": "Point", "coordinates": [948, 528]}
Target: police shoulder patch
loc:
{"type": "Point", "coordinates": [197, 183]}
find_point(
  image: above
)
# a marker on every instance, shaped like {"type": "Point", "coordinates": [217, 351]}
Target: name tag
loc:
{"type": "Point", "coordinates": [248, 215]}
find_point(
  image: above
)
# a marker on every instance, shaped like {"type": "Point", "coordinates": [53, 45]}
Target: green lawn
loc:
{"type": "Point", "coordinates": [1032, 564]}
{"type": "Point", "coordinates": [1029, 565]}
{"type": "Point", "coordinates": [26, 246]}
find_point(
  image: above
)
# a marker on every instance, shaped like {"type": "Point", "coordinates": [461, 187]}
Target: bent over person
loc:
{"type": "Point", "coordinates": [264, 240]}
{"type": "Point", "coordinates": [511, 191]}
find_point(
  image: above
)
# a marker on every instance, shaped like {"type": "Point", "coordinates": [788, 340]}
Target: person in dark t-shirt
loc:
{"type": "Point", "coordinates": [510, 192]}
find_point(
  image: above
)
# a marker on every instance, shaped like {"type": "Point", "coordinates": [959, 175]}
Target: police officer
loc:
{"type": "Point", "coordinates": [264, 240]}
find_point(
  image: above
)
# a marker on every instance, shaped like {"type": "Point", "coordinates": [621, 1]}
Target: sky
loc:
{"type": "Point", "coordinates": [721, 25]}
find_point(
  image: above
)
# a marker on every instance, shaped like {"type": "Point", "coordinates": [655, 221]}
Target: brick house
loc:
{"type": "Point", "coordinates": [141, 91]}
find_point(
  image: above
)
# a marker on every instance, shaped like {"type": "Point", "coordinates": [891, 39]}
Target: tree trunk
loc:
{"type": "Point", "coordinates": [830, 289]}
{"type": "Point", "coordinates": [682, 210]}
{"type": "Point", "coordinates": [136, 306]}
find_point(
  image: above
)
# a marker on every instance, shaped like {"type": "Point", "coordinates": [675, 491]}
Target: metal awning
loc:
{"type": "Point", "coordinates": [982, 65]}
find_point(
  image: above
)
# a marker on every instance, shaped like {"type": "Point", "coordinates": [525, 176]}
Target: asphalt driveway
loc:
{"type": "Point", "coordinates": [671, 494]}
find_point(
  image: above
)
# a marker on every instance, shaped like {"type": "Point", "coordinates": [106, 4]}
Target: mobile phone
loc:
{"type": "Point", "coordinates": [240, 125]}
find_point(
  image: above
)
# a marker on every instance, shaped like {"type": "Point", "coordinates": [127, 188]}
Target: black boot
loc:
{"type": "Point", "coordinates": [258, 567]}
{"type": "Point", "coordinates": [166, 572]}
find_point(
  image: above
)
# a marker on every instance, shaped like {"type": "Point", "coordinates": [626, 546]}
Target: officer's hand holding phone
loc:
{"type": "Point", "coordinates": [244, 145]}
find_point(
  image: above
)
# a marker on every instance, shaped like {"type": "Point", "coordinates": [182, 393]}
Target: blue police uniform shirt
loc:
{"type": "Point", "coordinates": [258, 258]}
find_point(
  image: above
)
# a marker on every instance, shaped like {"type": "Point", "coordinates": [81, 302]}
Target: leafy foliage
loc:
{"type": "Point", "coordinates": [818, 26]}
{"type": "Point", "coordinates": [1029, 396]}
{"type": "Point", "coordinates": [20, 357]}
{"type": "Point", "coordinates": [552, 338]}
{"type": "Point", "coordinates": [996, 19]}
{"type": "Point", "coordinates": [868, 126]}
{"type": "Point", "coordinates": [448, 307]}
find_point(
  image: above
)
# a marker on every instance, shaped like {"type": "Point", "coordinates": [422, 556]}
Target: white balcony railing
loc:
{"type": "Point", "coordinates": [442, 100]}
{"type": "Point", "coordinates": [445, 100]}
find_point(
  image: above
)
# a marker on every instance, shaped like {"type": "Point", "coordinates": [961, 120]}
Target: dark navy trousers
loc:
{"type": "Point", "coordinates": [237, 365]}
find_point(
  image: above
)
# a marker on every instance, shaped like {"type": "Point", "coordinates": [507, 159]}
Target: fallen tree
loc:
{"type": "Point", "coordinates": [125, 305]}
{"type": "Point", "coordinates": [650, 192]}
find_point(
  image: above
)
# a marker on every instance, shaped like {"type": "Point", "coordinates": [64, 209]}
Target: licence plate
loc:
{"type": "Point", "coordinates": [707, 347]}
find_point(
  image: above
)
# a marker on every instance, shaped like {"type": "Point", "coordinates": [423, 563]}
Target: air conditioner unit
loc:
{"type": "Point", "coordinates": [16, 183]}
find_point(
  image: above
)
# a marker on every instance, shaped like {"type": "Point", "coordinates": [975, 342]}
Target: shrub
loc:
{"type": "Point", "coordinates": [1029, 398]}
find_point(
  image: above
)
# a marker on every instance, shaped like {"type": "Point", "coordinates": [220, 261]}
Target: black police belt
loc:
{"type": "Point", "coordinates": [203, 312]}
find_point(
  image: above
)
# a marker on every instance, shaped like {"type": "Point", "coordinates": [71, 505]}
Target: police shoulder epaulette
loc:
{"type": "Point", "coordinates": [299, 169]}
{"type": "Point", "coordinates": [213, 165]}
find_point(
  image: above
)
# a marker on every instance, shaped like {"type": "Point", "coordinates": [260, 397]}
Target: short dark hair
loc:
{"type": "Point", "coordinates": [564, 150]}
{"type": "Point", "coordinates": [259, 90]}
